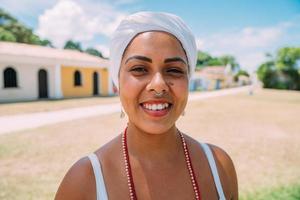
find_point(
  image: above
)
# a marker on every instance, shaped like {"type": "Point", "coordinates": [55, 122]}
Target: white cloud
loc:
{"type": "Point", "coordinates": [78, 20]}
{"type": "Point", "coordinates": [103, 49]}
{"type": "Point", "coordinates": [248, 45]}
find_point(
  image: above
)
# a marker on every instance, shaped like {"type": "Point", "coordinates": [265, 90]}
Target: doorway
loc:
{"type": "Point", "coordinates": [95, 83]}
{"type": "Point", "coordinates": [43, 84]}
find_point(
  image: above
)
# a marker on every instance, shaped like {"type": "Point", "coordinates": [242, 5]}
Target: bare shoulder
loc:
{"type": "Point", "coordinates": [223, 157]}
{"type": "Point", "coordinates": [77, 182]}
{"type": "Point", "coordinates": [226, 164]}
{"type": "Point", "coordinates": [220, 155]}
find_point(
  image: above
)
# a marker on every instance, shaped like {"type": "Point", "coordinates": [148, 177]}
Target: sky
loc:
{"type": "Point", "coordinates": [246, 29]}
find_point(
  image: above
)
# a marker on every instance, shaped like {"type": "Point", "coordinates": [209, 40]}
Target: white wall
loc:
{"type": "Point", "coordinates": [27, 81]}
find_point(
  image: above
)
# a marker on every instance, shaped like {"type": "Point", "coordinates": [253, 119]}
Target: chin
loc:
{"type": "Point", "coordinates": [154, 128]}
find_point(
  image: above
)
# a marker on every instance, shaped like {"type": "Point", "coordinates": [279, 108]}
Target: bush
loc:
{"type": "Point", "coordinates": [286, 78]}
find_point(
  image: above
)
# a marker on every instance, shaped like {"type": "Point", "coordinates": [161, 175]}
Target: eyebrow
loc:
{"type": "Point", "coordinates": [143, 58]}
{"type": "Point", "coordinates": [175, 59]}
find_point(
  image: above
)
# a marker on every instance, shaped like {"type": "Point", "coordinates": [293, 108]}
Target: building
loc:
{"type": "Point", "coordinates": [30, 72]}
{"type": "Point", "coordinates": [212, 78]}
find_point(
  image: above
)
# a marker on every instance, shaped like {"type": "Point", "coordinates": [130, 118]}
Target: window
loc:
{"type": "Point", "coordinates": [10, 78]}
{"type": "Point", "coordinates": [77, 78]}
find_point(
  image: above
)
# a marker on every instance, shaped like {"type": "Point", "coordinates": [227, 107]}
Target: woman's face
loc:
{"type": "Point", "coordinates": [154, 62]}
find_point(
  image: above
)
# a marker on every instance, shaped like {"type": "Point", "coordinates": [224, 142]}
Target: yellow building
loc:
{"type": "Point", "coordinates": [30, 72]}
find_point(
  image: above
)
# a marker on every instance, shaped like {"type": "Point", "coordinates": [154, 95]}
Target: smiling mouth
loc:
{"type": "Point", "coordinates": [158, 109]}
{"type": "Point", "coordinates": [156, 106]}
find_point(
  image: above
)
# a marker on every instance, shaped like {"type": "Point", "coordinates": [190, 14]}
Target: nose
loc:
{"type": "Point", "coordinates": [158, 84]}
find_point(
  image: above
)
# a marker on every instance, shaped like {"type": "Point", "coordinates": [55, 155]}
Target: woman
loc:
{"type": "Point", "coordinates": [152, 57]}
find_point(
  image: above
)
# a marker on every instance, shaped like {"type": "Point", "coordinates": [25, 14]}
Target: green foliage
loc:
{"type": "Point", "coordinates": [287, 58]}
{"type": "Point", "coordinates": [240, 73]}
{"type": "Point", "coordinates": [230, 60]}
{"type": "Point", "coordinates": [281, 72]}
{"type": "Point", "coordinates": [290, 192]}
{"type": "Point", "coordinates": [73, 45]}
{"type": "Point", "coordinates": [205, 59]}
{"type": "Point", "coordinates": [46, 43]}
{"type": "Point", "coordinates": [7, 35]}
{"type": "Point", "coordinates": [265, 68]}
{"type": "Point", "coordinates": [77, 46]}
{"type": "Point", "coordinates": [214, 62]}
{"type": "Point", "coordinates": [13, 31]}
{"type": "Point", "coordinates": [94, 52]}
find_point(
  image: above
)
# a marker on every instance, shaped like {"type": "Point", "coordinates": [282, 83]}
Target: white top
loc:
{"type": "Point", "coordinates": [100, 185]}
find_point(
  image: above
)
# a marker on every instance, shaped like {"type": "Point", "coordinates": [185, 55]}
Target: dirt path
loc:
{"type": "Point", "coordinates": [12, 123]}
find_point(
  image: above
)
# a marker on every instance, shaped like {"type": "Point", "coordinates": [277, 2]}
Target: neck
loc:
{"type": "Point", "coordinates": [155, 147]}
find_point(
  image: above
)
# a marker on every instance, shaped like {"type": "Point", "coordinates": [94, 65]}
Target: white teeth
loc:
{"type": "Point", "coordinates": [160, 106]}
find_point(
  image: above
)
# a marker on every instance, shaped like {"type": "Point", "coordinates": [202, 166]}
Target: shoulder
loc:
{"type": "Point", "coordinates": [225, 165]}
{"type": "Point", "coordinates": [222, 157]}
{"type": "Point", "coordinates": [77, 182]}
{"type": "Point", "coordinates": [219, 154]}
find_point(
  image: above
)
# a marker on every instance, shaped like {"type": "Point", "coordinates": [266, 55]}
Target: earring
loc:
{"type": "Point", "coordinates": [122, 114]}
{"type": "Point", "coordinates": [183, 113]}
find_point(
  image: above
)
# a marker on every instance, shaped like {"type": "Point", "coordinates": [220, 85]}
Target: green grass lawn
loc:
{"type": "Point", "coordinates": [260, 133]}
{"type": "Point", "coordinates": [286, 192]}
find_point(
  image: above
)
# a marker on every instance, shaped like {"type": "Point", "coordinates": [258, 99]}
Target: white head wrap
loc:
{"type": "Point", "coordinates": [150, 21]}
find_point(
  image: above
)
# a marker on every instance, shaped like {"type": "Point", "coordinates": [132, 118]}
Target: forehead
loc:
{"type": "Point", "coordinates": [155, 43]}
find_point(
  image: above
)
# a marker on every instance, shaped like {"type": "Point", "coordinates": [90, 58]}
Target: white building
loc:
{"type": "Point", "coordinates": [30, 72]}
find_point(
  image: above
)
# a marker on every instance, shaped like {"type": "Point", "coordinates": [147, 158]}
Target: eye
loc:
{"type": "Point", "coordinates": [175, 71]}
{"type": "Point", "coordinates": [138, 70]}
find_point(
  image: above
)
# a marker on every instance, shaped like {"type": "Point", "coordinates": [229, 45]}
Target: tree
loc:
{"type": "Point", "coordinates": [230, 60]}
{"type": "Point", "coordinates": [280, 71]}
{"type": "Point", "coordinates": [202, 59]}
{"type": "Point", "coordinates": [205, 59]}
{"type": "Point", "coordinates": [73, 45]}
{"type": "Point", "coordinates": [7, 35]}
{"type": "Point", "coordinates": [240, 73]}
{"type": "Point", "coordinates": [287, 57]}
{"type": "Point", "coordinates": [94, 52]}
{"type": "Point", "coordinates": [47, 43]}
{"type": "Point", "coordinates": [14, 31]}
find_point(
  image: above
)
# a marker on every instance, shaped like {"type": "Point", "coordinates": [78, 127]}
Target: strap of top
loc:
{"type": "Point", "coordinates": [214, 170]}
{"type": "Point", "coordinates": [100, 185]}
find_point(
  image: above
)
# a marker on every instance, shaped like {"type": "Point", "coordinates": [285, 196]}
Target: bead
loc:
{"type": "Point", "coordinates": [129, 175]}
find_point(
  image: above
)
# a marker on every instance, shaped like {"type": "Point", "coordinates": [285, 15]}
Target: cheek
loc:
{"type": "Point", "coordinates": [181, 91]}
{"type": "Point", "coordinates": [180, 87]}
{"type": "Point", "coordinates": [129, 92]}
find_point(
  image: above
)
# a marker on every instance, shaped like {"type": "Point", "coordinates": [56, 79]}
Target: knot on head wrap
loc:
{"type": "Point", "coordinates": [150, 21]}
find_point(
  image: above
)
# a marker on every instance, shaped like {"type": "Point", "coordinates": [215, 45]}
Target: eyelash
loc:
{"type": "Point", "coordinates": [175, 70]}
{"type": "Point", "coordinates": [140, 70]}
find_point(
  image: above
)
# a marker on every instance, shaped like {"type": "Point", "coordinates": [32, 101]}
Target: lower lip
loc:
{"type": "Point", "coordinates": [157, 113]}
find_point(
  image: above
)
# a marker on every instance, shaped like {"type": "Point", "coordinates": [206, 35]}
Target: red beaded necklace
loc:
{"type": "Point", "coordinates": [130, 182]}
